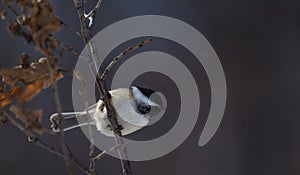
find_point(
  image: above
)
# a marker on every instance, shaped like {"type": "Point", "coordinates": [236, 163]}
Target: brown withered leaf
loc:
{"type": "Point", "coordinates": [38, 71]}
{"type": "Point", "coordinates": [35, 78]}
{"type": "Point", "coordinates": [6, 96]}
{"type": "Point", "coordinates": [31, 91]}
{"type": "Point", "coordinates": [31, 118]}
{"type": "Point", "coordinates": [16, 30]}
{"type": "Point", "coordinates": [42, 21]}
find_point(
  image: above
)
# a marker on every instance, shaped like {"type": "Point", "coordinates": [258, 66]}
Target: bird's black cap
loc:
{"type": "Point", "coordinates": [147, 92]}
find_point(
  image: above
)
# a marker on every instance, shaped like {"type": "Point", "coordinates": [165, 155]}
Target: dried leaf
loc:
{"type": "Point", "coordinates": [35, 78]}
{"type": "Point", "coordinates": [31, 118]}
{"type": "Point", "coordinates": [31, 91]}
{"type": "Point", "coordinates": [16, 30]}
{"type": "Point", "coordinates": [37, 71]}
{"type": "Point", "coordinates": [38, 16]}
{"type": "Point", "coordinates": [7, 96]}
{"type": "Point", "coordinates": [42, 21]}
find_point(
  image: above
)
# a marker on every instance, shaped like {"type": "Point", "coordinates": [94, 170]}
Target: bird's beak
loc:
{"type": "Point", "coordinates": [153, 104]}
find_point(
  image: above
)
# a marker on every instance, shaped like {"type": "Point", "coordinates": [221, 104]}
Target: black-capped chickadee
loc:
{"type": "Point", "coordinates": [132, 106]}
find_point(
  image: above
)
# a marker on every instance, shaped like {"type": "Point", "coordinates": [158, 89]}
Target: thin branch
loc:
{"type": "Point", "coordinates": [65, 46]}
{"type": "Point", "coordinates": [92, 165]}
{"type": "Point", "coordinates": [111, 115]}
{"type": "Point", "coordinates": [79, 6]}
{"type": "Point", "coordinates": [66, 151]}
{"type": "Point", "coordinates": [93, 60]}
{"type": "Point", "coordinates": [70, 28]}
{"type": "Point", "coordinates": [11, 9]}
{"type": "Point", "coordinates": [33, 139]}
{"type": "Point", "coordinates": [66, 154]}
{"type": "Point", "coordinates": [19, 18]}
{"type": "Point", "coordinates": [103, 153]}
{"type": "Point", "coordinates": [86, 36]}
{"type": "Point", "coordinates": [125, 52]}
{"type": "Point", "coordinates": [94, 11]}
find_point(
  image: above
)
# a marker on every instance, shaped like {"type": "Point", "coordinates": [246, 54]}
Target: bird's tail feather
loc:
{"type": "Point", "coordinates": [70, 120]}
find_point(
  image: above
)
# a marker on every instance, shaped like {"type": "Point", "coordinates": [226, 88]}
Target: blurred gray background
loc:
{"type": "Point", "coordinates": [257, 42]}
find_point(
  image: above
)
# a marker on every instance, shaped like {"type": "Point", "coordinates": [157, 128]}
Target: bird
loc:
{"type": "Point", "coordinates": [132, 105]}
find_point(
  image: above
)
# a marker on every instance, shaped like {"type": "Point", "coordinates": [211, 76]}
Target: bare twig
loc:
{"type": "Point", "coordinates": [66, 154]}
{"type": "Point", "coordinates": [79, 6]}
{"type": "Point", "coordinates": [125, 52]}
{"type": "Point", "coordinates": [70, 28]}
{"type": "Point", "coordinates": [103, 153]}
{"type": "Point", "coordinates": [11, 9]}
{"type": "Point", "coordinates": [66, 46]}
{"type": "Point", "coordinates": [111, 114]}
{"type": "Point", "coordinates": [93, 12]}
{"type": "Point", "coordinates": [84, 97]}
{"type": "Point", "coordinates": [32, 138]}
{"type": "Point", "coordinates": [105, 96]}
{"type": "Point", "coordinates": [65, 149]}
{"type": "Point", "coordinates": [86, 36]}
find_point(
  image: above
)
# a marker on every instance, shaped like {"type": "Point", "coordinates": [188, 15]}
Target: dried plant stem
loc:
{"type": "Point", "coordinates": [86, 36]}
{"type": "Point", "coordinates": [125, 52]}
{"type": "Point", "coordinates": [91, 136]}
{"type": "Point", "coordinates": [65, 46]}
{"type": "Point", "coordinates": [103, 153]}
{"type": "Point", "coordinates": [70, 28]}
{"type": "Point", "coordinates": [93, 62]}
{"type": "Point", "coordinates": [64, 146]}
{"type": "Point", "coordinates": [94, 11]}
{"type": "Point", "coordinates": [66, 153]}
{"type": "Point", "coordinates": [11, 9]}
{"type": "Point", "coordinates": [111, 114]}
{"type": "Point", "coordinates": [32, 138]}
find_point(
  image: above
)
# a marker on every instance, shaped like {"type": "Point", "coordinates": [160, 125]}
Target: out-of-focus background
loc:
{"type": "Point", "coordinates": [258, 44]}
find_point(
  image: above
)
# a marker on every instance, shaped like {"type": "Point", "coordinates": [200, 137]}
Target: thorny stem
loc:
{"type": "Point", "coordinates": [33, 139]}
